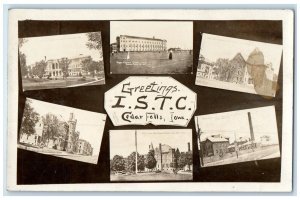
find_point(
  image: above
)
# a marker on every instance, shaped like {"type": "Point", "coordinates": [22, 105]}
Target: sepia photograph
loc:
{"type": "Point", "coordinates": [239, 65]}
{"type": "Point", "coordinates": [61, 61]}
{"type": "Point", "coordinates": [222, 140]}
{"type": "Point", "coordinates": [151, 155]}
{"type": "Point", "coordinates": [151, 47]}
{"type": "Point", "coordinates": [61, 131]}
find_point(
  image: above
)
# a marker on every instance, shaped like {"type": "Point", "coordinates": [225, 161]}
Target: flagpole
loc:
{"type": "Point", "coordinates": [136, 155]}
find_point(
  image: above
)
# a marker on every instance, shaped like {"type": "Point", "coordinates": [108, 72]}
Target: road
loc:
{"type": "Point", "coordinates": [258, 154]}
{"type": "Point", "coordinates": [151, 177]}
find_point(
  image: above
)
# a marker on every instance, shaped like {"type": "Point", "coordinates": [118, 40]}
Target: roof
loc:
{"type": "Point", "coordinates": [217, 139]}
{"type": "Point", "coordinates": [71, 58]}
{"type": "Point", "coordinates": [164, 148]}
{"type": "Point", "coordinates": [238, 56]}
{"type": "Point", "coordinates": [145, 38]}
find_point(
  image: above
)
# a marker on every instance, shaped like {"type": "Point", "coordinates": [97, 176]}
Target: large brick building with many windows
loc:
{"type": "Point", "coordinates": [134, 43]}
{"type": "Point", "coordinates": [54, 69]}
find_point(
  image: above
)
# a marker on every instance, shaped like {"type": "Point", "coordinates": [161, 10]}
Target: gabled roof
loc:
{"type": "Point", "coordinates": [217, 139]}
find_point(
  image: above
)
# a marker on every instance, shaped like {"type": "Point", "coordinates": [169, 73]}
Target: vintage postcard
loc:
{"type": "Point", "coordinates": [151, 155]}
{"type": "Point", "coordinates": [61, 61]}
{"type": "Point", "coordinates": [61, 131]}
{"type": "Point", "coordinates": [159, 42]}
{"type": "Point", "coordinates": [151, 47]}
{"type": "Point", "coordinates": [223, 141]}
{"type": "Point", "coordinates": [239, 65]}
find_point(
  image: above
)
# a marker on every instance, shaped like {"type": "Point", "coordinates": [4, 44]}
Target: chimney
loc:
{"type": "Point", "coordinates": [251, 127]}
{"type": "Point", "coordinates": [189, 147]}
{"type": "Point", "coordinates": [71, 116]}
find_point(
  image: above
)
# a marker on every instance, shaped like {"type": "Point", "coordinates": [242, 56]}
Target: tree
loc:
{"type": "Point", "coordinates": [22, 57]}
{"type": "Point", "coordinates": [95, 42]}
{"type": "Point", "coordinates": [118, 163]}
{"type": "Point", "coordinates": [182, 160]}
{"type": "Point", "coordinates": [176, 160]}
{"type": "Point", "coordinates": [150, 161]}
{"type": "Point", "coordinates": [64, 66]}
{"type": "Point", "coordinates": [39, 68]}
{"type": "Point", "coordinates": [222, 69]}
{"type": "Point", "coordinates": [21, 42]}
{"type": "Point", "coordinates": [189, 159]}
{"type": "Point", "coordinates": [51, 127]}
{"type": "Point", "coordinates": [30, 118]}
{"type": "Point", "coordinates": [22, 60]}
{"type": "Point", "coordinates": [130, 164]}
{"type": "Point", "coordinates": [92, 66]}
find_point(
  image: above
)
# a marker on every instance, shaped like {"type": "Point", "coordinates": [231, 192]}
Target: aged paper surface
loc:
{"type": "Point", "coordinates": [285, 16]}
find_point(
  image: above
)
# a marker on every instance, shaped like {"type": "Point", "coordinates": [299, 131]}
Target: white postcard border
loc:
{"type": "Point", "coordinates": [287, 17]}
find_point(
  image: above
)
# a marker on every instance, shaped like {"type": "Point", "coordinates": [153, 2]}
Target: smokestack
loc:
{"type": "Point", "coordinates": [251, 127]}
{"type": "Point", "coordinates": [189, 147]}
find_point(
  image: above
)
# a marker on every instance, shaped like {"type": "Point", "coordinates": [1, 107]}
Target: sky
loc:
{"type": "Point", "coordinates": [57, 46]}
{"type": "Point", "coordinates": [214, 47]}
{"type": "Point", "coordinates": [122, 142]}
{"type": "Point", "coordinates": [89, 124]}
{"type": "Point", "coordinates": [177, 34]}
{"type": "Point", "coordinates": [236, 122]}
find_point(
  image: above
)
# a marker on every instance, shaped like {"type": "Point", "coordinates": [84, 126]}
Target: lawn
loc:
{"type": "Point", "coordinates": [163, 176]}
{"type": "Point", "coordinates": [35, 84]}
{"type": "Point", "coordinates": [151, 63]}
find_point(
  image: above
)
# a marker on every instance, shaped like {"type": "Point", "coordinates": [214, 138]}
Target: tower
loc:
{"type": "Point", "coordinates": [151, 147]}
{"type": "Point", "coordinates": [70, 139]}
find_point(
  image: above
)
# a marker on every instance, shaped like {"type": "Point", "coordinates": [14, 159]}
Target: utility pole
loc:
{"type": "Point", "coordinates": [236, 146]}
{"type": "Point", "coordinates": [199, 133]}
{"type": "Point", "coordinates": [136, 153]}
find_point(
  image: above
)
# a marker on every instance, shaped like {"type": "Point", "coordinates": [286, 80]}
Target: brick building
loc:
{"type": "Point", "coordinates": [66, 139]}
{"type": "Point", "coordinates": [214, 145]}
{"type": "Point", "coordinates": [84, 147]}
{"type": "Point", "coordinates": [134, 43]}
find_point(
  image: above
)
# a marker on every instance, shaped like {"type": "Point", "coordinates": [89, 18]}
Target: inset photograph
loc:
{"type": "Point", "coordinates": [61, 61]}
{"type": "Point", "coordinates": [151, 47]}
{"type": "Point", "coordinates": [61, 131]}
{"type": "Point", "coordinates": [222, 140]}
{"type": "Point", "coordinates": [239, 65]}
{"type": "Point", "coordinates": [151, 155]}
